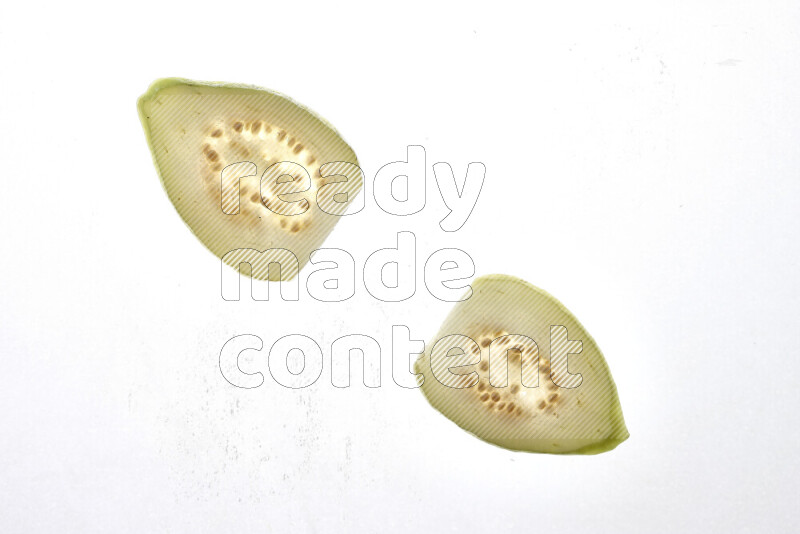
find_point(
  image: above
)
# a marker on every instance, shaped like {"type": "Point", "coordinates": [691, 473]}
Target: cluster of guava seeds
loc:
{"type": "Point", "coordinates": [264, 145]}
{"type": "Point", "coordinates": [514, 400]}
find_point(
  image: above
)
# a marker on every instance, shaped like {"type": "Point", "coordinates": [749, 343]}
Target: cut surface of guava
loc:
{"type": "Point", "coordinates": [514, 367]}
{"type": "Point", "coordinates": [254, 175]}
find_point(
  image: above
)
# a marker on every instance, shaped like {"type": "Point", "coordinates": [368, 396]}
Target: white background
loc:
{"type": "Point", "coordinates": [642, 166]}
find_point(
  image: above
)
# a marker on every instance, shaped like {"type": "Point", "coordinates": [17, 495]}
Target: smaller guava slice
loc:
{"type": "Point", "coordinates": [514, 367]}
{"type": "Point", "coordinates": [256, 176]}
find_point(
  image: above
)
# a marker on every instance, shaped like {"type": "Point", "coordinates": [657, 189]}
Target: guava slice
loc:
{"type": "Point", "coordinates": [552, 394]}
{"type": "Point", "coordinates": [254, 175]}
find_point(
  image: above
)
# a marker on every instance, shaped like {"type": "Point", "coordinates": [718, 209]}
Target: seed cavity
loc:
{"type": "Point", "coordinates": [484, 397]}
{"type": "Point", "coordinates": [221, 146]}
{"type": "Point", "coordinates": [495, 396]}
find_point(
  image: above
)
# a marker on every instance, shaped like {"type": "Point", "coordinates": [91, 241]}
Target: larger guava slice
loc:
{"type": "Point", "coordinates": [257, 177]}
{"type": "Point", "coordinates": [514, 367]}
